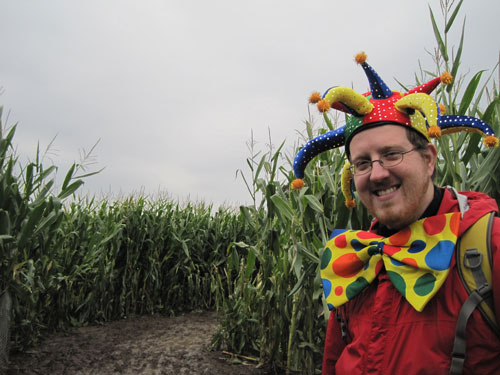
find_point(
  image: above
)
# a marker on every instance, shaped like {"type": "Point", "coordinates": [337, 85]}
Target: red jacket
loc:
{"type": "Point", "coordinates": [386, 335]}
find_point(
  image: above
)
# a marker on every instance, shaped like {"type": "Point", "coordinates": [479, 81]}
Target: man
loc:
{"type": "Point", "coordinates": [395, 308]}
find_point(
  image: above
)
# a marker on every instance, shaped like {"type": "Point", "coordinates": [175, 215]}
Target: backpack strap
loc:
{"type": "Point", "coordinates": [474, 262]}
{"type": "Point", "coordinates": [342, 319]}
{"type": "Point", "coordinates": [473, 253]}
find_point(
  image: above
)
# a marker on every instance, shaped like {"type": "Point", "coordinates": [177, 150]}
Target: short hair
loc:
{"type": "Point", "coordinates": [416, 139]}
{"type": "Point", "coordinates": [420, 143]}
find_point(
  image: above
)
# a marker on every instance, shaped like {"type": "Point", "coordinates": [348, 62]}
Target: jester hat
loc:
{"type": "Point", "coordinates": [415, 109]}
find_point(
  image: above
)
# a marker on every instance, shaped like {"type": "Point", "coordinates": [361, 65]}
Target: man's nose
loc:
{"type": "Point", "coordinates": [378, 172]}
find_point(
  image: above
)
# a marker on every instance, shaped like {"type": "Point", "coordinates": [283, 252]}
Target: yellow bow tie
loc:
{"type": "Point", "coordinates": [417, 260]}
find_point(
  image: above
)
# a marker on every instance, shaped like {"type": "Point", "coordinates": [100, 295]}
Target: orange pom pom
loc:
{"type": "Point", "coordinates": [298, 184]}
{"type": "Point", "coordinates": [350, 203]}
{"type": "Point", "coordinates": [442, 108]}
{"type": "Point", "coordinates": [360, 58]}
{"type": "Point", "coordinates": [446, 78]}
{"type": "Point", "coordinates": [315, 97]}
{"type": "Point", "coordinates": [323, 106]}
{"type": "Point", "coordinates": [434, 132]}
{"type": "Point", "coordinates": [490, 141]}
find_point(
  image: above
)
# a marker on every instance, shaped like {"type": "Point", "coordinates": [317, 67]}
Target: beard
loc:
{"type": "Point", "coordinates": [406, 205]}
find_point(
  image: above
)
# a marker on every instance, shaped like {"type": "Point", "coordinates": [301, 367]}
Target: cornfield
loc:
{"type": "Point", "coordinates": [70, 263]}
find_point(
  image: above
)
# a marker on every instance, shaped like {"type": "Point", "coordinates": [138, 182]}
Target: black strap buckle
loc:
{"type": "Point", "coordinates": [473, 259]}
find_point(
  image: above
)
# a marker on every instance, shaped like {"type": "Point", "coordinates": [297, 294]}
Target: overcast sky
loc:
{"type": "Point", "coordinates": [173, 89]}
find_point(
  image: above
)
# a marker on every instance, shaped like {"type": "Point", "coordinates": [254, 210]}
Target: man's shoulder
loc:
{"type": "Point", "coordinates": [478, 205]}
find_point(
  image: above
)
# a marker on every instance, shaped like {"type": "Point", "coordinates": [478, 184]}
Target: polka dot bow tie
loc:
{"type": "Point", "coordinates": [417, 260]}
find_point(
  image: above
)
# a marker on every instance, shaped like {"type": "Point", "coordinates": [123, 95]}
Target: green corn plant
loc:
{"type": "Point", "coordinates": [31, 212]}
{"type": "Point", "coordinates": [108, 260]}
{"type": "Point", "coordinates": [465, 163]}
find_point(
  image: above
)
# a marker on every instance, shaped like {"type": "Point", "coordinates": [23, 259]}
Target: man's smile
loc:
{"type": "Point", "coordinates": [382, 192]}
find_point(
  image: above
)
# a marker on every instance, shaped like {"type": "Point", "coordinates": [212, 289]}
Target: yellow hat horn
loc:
{"type": "Point", "coordinates": [348, 97]}
{"type": "Point", "coordinates": [425, 104]}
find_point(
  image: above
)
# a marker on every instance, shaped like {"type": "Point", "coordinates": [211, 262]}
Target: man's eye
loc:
{"type": "Point", "coordinates": [362, 165]}
{"type": "Point", "coordinates": [392, 155]}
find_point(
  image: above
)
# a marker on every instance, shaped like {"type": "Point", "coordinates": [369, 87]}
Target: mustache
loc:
{"type": "Point", "coordinates": [383, 184]}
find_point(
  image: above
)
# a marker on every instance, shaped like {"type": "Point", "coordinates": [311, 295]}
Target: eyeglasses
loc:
{"type": "Point", "coordinates": [388, 160]}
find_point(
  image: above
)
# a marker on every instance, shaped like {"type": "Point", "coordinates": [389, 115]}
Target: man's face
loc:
{"type": "Point", "coordinates": [399, 195]}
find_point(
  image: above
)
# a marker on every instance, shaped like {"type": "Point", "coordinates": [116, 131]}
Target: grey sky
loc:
{"type": "Point", "coordinates": [173, 88]}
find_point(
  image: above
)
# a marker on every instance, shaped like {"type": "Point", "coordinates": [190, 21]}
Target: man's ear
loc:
{"type": "Point", "coordinates": [430, 157]}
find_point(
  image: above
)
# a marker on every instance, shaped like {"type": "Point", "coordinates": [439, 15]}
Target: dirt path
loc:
{"type": "Point", "coordinates": [151, 345]}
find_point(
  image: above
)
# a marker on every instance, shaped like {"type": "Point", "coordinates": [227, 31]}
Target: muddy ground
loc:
{"type": "Point", "coordinates": [151, 345]}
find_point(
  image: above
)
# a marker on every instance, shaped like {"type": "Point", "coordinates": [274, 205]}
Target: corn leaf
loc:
{"type": "Point", "coordinates": [4, 222]}
{"type": "Point", "coordinates": [469, 93]}
{"type": "Point", "coordinates": [490, 111]}
{"type": "Point", "coordinates": [250, 264]}
{"type": "Point", "coordinates": [328, 121]}
{"type": "Point", "coordinates": [453, 16]}
{"type": "Point", "coordinates": [69, 190]}
{"type": "Point", "coordinates": [314, 203]}
{"type": "Point", "coordinates": [439, 39]}
{"type": "Point", "coordinates": [29, 227]}
{"type": "Point", "coordinates": [284, 207]}
{"type": "Point", "coordinates": [69, 176]}
{"type": "Point", "coordinates": [456, 62]}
